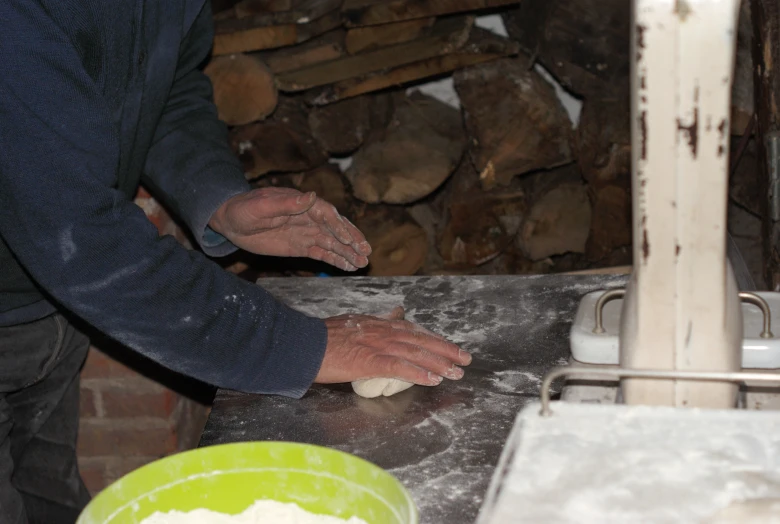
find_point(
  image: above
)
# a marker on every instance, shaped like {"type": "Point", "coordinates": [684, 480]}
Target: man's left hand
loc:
{"type": "Point", "coordinates": [284, 222]}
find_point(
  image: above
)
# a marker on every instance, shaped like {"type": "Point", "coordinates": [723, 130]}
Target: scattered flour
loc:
{"type": "Point", "coordinates": [261, 512]}
{"type": "Point", "coordinates": [614, 464]}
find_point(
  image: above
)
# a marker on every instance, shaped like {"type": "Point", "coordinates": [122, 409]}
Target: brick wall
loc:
{"type": "Point", "coordinates": [128, 420]}
{"type": "Point", "coordinates": [128, 417]}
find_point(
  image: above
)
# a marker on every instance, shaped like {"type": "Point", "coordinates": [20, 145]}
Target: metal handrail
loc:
{"type": "Point", "coordinates": [713, 376]}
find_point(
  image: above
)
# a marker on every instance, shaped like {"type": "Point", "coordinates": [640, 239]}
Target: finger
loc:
{"type": "Point", "coordinates": [328, 243]}
{"type": "Point", "coordinates": [282, 204]}
{"type": "Point", "coordinates": [425, 359]}
{"type": "Point", "coordinates": [396, 314]}
{"type": "Point", "coordinates": [360, 243]}
{"type": "Point", "coordinates": [329, 257]}
{"type": "Point", "coordinates": [325, 213]}
{"type": "Point", "coordinates": [388, 366]}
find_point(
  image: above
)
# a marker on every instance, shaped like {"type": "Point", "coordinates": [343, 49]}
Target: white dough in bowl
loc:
{"type": "Point", "coordinates": [261, 512]}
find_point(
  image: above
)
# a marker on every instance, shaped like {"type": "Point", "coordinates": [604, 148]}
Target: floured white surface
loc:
{"type": "Point", "coordinates": [615, 464]}
{"type": "Point", "coordinates": [261, 512]}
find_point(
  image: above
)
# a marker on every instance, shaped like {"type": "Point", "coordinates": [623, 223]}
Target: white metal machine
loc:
{"type": "Point", "coordinates": [663, 418]}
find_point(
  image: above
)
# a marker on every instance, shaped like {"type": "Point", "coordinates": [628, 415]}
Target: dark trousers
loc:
{"type": "Point", "coordinates": [39, 419]}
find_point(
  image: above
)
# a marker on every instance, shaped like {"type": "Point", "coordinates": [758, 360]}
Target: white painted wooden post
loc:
{"type": "Point", "coordinates": [681, 309]}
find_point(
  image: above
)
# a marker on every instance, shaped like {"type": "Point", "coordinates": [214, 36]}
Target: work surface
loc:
{"type": "Point", "coordinates": [444, 442]}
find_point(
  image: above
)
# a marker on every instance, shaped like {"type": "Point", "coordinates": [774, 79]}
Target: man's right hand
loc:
{"type": "Point", "coordinates": [361, 347]}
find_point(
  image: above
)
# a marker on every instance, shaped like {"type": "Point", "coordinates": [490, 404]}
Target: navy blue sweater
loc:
{"type": "Point", "coordinates": [95, 97]}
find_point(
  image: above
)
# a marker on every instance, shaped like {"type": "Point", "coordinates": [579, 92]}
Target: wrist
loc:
{"type": "Point", "coordinates": [218, 220]}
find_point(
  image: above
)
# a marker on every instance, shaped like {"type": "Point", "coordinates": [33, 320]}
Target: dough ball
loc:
{"type": "Point", "coordinates": [374, 387]}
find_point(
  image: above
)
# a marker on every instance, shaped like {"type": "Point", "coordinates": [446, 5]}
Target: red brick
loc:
{"type": "Point", "coordinates": [98, 365]}
{"type": "Point", "coordinates": [87, 406]}
{"type": "Point", "coordinates": [93, 472]}
{"type": "Point", "coordinates": [101, 437]}
{"type": "Point", "coordinates": [122, 403]}
{"type": "Point", "coordinates": [121, 466]}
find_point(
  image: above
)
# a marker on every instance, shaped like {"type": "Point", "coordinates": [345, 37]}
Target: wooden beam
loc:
{"type": "Point", "coordinates": [263, 13]}
{"type": "Point", "coordinates": [371, 12]}
{"type": "Point", "coordinates": [482, 46]}
{"type": "Point", "coordinates": [324, 48]}
{"type": "Point", "coordinates": [239, 36]}
{"type": "Point", "coordinates": [447, 35]}
{"type": "Point", "coordinates": [362, 39]}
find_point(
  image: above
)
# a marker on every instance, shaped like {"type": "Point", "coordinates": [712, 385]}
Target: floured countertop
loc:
{"type": "Point", "coordinates": [443, 443]}
{"type": "Point", "coordinates": [609, 464]}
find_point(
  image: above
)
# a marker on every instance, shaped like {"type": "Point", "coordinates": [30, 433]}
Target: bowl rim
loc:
{"type": "Point", "coordinates": [411, 505]}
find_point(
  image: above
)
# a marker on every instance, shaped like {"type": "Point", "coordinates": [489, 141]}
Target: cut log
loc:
{"type": "Point", "coordinates": [584, 43]}
{"type": "Point", "coordinates": [446, 36]}
{"type": "Point", "coordinates": [604, 156]}
{"type": "Point", "coordinates": [515, 119]}
{"type": "Point", "coordinates": [603, 141]}
{"type": "Point", "coordinates": [340, 128]}
{"type": "Point", "coordinates": [482, 46]}
{"type": "Point", "coordinates": [745, 183]}
{"type": "Point", "coordinates": [610, 221]}
{"type": "Point", "coordinates": [244, 89]}
{"type": "Point", "coordinates": [765, 15]}
{"type": "Point", "coordinates": [482, 224]}
{"type": "Point", "coordinates": [223, 8]}
{"type": "Point", "coordinates": [267, 13]}
{"type": "Point", "coordinates": [399, 244]}
{"type": "Point", "coordinates": [432, 220]}
{"type": "Point", "coordinates": [362, 39]}
{"type": "Point", "coordinates": [324, 48]}
{"type": "Point", "coordinates": [557, 223]}
{"type": "Point", "coordinates": [239, 36]}
{"type": "Point", "coordinates": [372, 12]}
{"type": "Point", "coordinates": [281, 144]}
{"type": "Point", "coordinates": [329, 184]}
{"type": "Point", "coordinates": [247, 8]}
{"type": "Point", "coordinates": [419, 151]}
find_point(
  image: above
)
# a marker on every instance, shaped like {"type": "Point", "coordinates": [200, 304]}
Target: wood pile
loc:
{"type": "Point", "coordinates": [499, 182]}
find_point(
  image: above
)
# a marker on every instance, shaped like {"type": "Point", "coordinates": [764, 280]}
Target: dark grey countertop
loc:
{"type": "Point", "coordinates": [444, 442]}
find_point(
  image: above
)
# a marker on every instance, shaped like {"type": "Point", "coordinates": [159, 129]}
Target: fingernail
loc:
{"type": "Point", "coordinates": [455, 373]}
{"type": "Point", "coordinates": [435, 379]}
{"type": "Point", "coordinates": [464, 357]}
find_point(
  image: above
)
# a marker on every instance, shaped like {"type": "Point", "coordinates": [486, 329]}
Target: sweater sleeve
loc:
{"type": "Point", "coordinates": [190, 165]}
{"type": "Point", "coordinates": [91, 249]}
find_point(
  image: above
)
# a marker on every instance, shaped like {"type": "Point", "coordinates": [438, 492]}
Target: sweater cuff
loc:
{"type": "Point", "coordinates": [219, 186]}
{"type": "Point", "coordinates": [299, 347]}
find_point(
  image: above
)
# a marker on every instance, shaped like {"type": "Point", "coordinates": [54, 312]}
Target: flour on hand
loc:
{"type": "Point", "coordinates": [375, 387]}
{"type": "Point", "coordinates": [261, 512]}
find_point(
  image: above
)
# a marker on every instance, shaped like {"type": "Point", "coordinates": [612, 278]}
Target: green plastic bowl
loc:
{"type": "Point", "coordinates": [229, 478]}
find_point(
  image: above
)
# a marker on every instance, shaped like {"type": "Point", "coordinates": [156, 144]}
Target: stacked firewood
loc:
{"type": "Point", "coordinates": [500, 182]}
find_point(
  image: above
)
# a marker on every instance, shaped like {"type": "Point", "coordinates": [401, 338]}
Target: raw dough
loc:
{"type": "Point", "coordinates": [374, 387]}
{"type": "Point", "coordinates": [261, 512]}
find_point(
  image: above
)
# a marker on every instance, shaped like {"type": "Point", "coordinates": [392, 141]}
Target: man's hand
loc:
{"type": "Point", "coordinates": [284, 222]}
{"type": "Point", "coordinates": [361, 347]}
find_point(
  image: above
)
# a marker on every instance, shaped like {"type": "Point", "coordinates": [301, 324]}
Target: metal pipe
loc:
{"type": "Point", "coordinates": [760, 302]}
{"type": "Point", "coordinates": [603, 299]}
{"type": "Point", "coordinates": [713, 376]}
